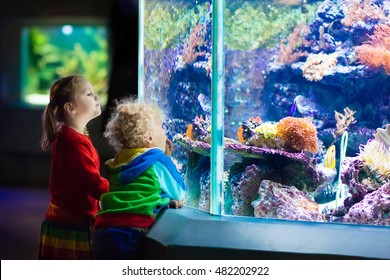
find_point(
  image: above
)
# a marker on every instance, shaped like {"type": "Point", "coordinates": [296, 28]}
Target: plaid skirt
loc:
{"type": "Point", "coordinates": [63, 241]}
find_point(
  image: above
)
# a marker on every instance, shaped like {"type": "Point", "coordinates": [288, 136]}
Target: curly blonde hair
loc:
{"type": "Point", "coordinates": [131, 123]}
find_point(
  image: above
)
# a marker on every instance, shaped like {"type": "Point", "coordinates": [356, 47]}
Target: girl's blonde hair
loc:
{"type": "Point", "coordinates": [131, 123]}
{"type": "Point", "coordinates": [61, 92]}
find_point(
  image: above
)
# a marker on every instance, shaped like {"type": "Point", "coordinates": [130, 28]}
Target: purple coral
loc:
{"type": "Point", "coordinates": [373, 209]}
{"type": "Point", "coordinates": [284, 202]}
{"type": "Point", "coordinates": [358, 179]}
{"type": "Point", "coordinates": [296, 169]}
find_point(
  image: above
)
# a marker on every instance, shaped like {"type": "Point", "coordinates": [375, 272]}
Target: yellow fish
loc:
{"type": "Point", "coordinates": [330, 157]}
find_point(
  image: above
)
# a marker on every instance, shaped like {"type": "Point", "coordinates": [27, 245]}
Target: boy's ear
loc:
{"type": "Point", "coordinates": [148, 138]}
{"type": "Point", "coordinates": [69, 108]}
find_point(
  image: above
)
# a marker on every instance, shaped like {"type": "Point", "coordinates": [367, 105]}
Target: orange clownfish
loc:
{"type": "Point", "coordinates": [240, 133]}
{"type": "Point", "coordinates": [189, 133]}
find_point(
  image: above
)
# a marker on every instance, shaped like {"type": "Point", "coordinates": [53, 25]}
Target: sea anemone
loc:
{"type": "Point", "coordinates": [376, 156]}
{"type": "Point", "coordinates": [298, 134]}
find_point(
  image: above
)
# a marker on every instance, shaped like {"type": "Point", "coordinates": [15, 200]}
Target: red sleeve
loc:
{"type": "Point", "coordinates": [85, 165]}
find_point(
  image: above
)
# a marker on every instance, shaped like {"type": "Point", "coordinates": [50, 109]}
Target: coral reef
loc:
{"type": "Point", "coordinates": [343, 121]}
{"type": "Point", "coordinates": [376, 52]}
{"type": "Point", "coordinates": [312, 65]}
{"type": "Point", "coordinates": [358, 179]}
{"type": "Point", "coordinates": [199, 147]}
{"type": "Point", "coordinates": [254, 24]}
{"type": "Point", "coordinates": [166, 25]}
{"type": "Point", "coordinates": [287, 52]}
{"type": "Point", "coordinates": [295, 169]}
{"type": "Point", "coordinates": [319, 65]}
{"type": "Point", "coordinates": [374, 209]}
{"type": "Point", "coordinates": [337, 34]}
{"type": "Point", "coordinates": [254, 132]}
{"type": "Point", "coordinates": [191, 48]}
{"type": "Point", "coordinates": [284, 202]}
{"type": "Point", "coordinates": [298, 134]}
{"type": "Point", "coordinates": [362, 10]}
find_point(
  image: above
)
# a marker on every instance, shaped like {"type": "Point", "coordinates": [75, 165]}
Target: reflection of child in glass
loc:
{"type": "Point", "coordinates": [75, 181]}
{"type": "Point", "coordinates": [143, 180]}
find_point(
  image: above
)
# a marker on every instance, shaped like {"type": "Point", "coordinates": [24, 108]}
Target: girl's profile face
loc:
{"type": "Point", "coordinates": [87, 102]}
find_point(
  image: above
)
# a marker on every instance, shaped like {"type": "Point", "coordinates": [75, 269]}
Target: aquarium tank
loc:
{"type": "Point", "coordinates": [51, 51]}
{"type": "Point", "coordinates": [278, 109]}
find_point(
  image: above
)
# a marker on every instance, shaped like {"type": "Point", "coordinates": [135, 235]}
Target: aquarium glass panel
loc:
{"type": "Point", "coordinates": [177, 75]}
{"type": "Point", "coordinates": [53, 51]}
{"type": "Point", "coordinates": [306, 105]}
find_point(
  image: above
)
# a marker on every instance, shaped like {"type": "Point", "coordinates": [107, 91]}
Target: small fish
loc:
{"type": "Point", "coordinates": [305, 106]}
{"type": "Point", "coordinates": [293, 108]}
{"type": "Point", "coordinates": [204, 102]}
{"type": "Point", "coordinates": [240, 135]}
{"type": "Point", "coordinates": [189, 133]}
{"type": "Point", "coordinates": [330, 158]}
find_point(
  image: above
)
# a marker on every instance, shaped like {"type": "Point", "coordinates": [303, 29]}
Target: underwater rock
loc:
{"type": "Point", "coordinates": [373, 209]}
{"type": "Point", "coordinates": [296, 169]}
{"type": "Point", "coordinates": [244, 187]}
{"type": "Point", "coordinates": [359, 179]}
{"type": "Point", "coordinates": [284, 202]}
{"type": "Point", "coordinates": [329, 11]}
{"type": "Point", "coordinates": [204, 197]}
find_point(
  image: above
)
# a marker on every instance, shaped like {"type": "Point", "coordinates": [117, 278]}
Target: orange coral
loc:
{"type": "Point", "coordinates": [287, 53]}
{"type": "Point", "coordinates": [298, 134]}
{"type": "Point", "coordinates": [190, 52]}
{"type": "Point", "coordinates": [362, 10]}
{"type": "Point", "coordinates": [256, 120]}
{"type": "Point", "coordinates": [376, 52]}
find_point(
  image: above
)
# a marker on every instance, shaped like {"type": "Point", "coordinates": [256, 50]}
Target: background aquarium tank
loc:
{"type": "Point", "coordinates": [51, 51]}
{"type": "Point", "coordinates": [305, 109]}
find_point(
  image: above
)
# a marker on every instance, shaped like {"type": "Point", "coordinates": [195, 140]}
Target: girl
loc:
{"type": "Point", "coordinates": [75, 181]}
{"type": "Point", "coordinates": [143, 180]}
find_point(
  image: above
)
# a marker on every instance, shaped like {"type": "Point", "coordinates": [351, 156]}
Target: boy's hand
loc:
{"type": "Point", "coordinates": [176, 204]}
{"type": "Point", "coordinates": [168, 147]}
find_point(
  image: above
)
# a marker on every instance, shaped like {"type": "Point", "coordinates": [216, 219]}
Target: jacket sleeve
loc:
{"type": "Point", "coordinates": [170, 180]}
{"type": "Point", "coordinates": [85, 163]}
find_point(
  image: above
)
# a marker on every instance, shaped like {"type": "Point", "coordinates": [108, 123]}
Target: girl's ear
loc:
{"type": "Point", "coordinates": [69, 108]}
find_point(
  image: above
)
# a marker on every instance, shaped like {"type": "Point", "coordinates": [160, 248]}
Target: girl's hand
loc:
{"type": "Point", "coordinates": [168, 147]}
{"type": "Point", "coordinates": [176, 204]}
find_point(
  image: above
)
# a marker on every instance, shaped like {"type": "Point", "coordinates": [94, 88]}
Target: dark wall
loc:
{"type": "Point", "coordinates": [21, 160]}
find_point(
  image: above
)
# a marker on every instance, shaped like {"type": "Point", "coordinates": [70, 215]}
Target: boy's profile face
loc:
{"type": "Point", "coordinates": [159, 135]}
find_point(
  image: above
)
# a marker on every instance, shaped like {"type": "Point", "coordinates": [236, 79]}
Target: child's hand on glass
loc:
{"type": "Point", "coordinates": [176, 204]}
{"type": "Point", "coordinates": [168, 148]}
